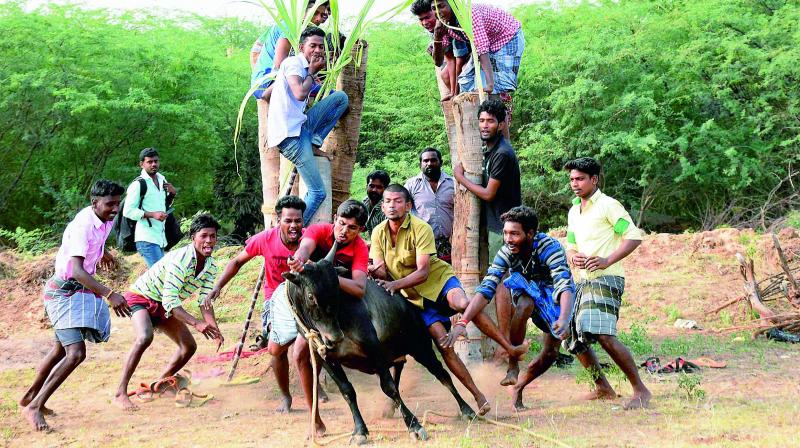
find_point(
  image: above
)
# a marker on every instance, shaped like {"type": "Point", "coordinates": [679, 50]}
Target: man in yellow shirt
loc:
{"type": "Point", "coordinates": [600, 233]}
{"type": "Point", "coordinates": [403, 252]}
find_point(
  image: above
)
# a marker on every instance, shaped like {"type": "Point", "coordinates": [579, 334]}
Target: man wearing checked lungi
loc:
{"type": "Point", "coordinates": [74, 300]}
{"type": "Point", "coordinates": [600, 233]}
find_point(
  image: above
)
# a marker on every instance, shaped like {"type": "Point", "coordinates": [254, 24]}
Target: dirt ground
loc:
{"type": "Point", "coordinates": [753, 402]}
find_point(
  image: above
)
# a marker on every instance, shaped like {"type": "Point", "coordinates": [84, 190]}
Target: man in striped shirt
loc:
{"type": "Point", "coordinates": [542, 263]}
{"type": "Point", "coordinates": [155, 299]}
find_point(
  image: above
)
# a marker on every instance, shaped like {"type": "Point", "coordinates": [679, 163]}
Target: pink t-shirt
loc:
{"type": "Point", "coordinates": [85, 236]}
{"type": "Point", "coordinates": [269, 245]}
{"type": "Point", "coordinates": [354, 256]}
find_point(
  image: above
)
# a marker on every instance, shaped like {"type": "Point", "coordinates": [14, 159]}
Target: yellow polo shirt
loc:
{"type": "Point", "coordinates": [599, 229]}
{"type": "Point", "coordinates": [415, 235]}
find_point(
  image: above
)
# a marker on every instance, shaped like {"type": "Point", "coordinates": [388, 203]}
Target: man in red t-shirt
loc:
{"type": "Point", "coordinates": [351, 253]}
{"type": "Point", "coordinates": [276, 245]}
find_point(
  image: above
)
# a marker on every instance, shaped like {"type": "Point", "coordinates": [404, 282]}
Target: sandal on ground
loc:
{"type": "Point", "coordinates": [686, 366]}
{"type": "Point", "coordinates": [651, 364]}
{"type": "Point", "coordinates": [183, 398]}
{"type": "Point", "coordinates": [144, 394]}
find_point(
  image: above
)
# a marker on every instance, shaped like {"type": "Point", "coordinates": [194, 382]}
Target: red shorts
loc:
{"type": "Point", "coordinates": [154, 309]}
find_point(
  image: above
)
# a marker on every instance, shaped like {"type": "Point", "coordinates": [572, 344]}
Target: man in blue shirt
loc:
{"type": "Point", "coordinates": [537, 266]}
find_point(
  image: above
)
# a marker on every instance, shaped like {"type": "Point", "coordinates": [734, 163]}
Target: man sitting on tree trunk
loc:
{"type": "Point", "coordinates": [298, 133]}
{"type": "Point", "coordinates": [404, 257]}
{"type": "Point", "coordinates": [499, 43]}
{"type": "Point", "coordinates": [155, 300]}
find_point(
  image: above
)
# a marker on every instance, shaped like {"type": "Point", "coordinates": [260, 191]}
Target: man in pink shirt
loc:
{"type": "Point", "coordinates": [73, 299]}
{"type": "Point", "coordinates": [352, 254]}
{"type": "Point", "coordinates": [275, 245]}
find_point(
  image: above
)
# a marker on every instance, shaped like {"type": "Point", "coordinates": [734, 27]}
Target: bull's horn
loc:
{"type": "Point", "coordinates": [332, 253]}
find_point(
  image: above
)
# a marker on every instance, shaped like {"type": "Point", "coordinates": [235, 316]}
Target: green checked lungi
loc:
{"type": "Point", "coordinates": [597, 304]}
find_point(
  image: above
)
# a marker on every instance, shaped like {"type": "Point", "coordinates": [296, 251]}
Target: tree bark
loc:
{"type": "Point", "coordinates": [270, 167]}
{"type": "Point", "coordinates": [342, 142]}
{"type": "Point", "coordinates": [470, 238]}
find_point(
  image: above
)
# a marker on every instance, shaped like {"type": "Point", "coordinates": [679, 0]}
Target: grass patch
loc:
{"type": "Point", "coordinates": [637, 340]}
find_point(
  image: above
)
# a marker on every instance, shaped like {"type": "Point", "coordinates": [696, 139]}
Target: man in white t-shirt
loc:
{"type": "Point", "coordinates": [298, 133]}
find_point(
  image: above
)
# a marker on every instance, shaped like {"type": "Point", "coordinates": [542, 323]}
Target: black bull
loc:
{"type": "Point", "coordinates": [369, 334]}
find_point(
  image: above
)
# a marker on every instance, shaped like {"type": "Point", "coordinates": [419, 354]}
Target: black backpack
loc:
{"type": "Point", "coordinates": [126, 228]}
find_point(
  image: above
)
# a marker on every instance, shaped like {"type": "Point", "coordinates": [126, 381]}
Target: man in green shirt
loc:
{"type": "Point", "coordinates": [150, 213]}
{"type": "Point", "coordinates": [403, 253]}
{"type": "Point", "coordinates": [155, 299]}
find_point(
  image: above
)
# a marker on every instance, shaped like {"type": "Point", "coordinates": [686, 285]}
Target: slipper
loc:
{"type": "Point", "coordinates": [200, 399]}
{"type": "Point", "coordinates": [709, 362]}
{"type": "Point", "coordinates": [144, 394]}
{"type": "Point", "coordinates": [183, 398]}
{"type": "Point", "coordinates": [164, 384]}
{"type": "Point", "coordinates": [686, 366]}
{"type": "Point", "coordinates": [669, 368]}
{"type": "Point", "coordinates": [652, 364]}
{"type": "Point", "coordinates": [242, 380]}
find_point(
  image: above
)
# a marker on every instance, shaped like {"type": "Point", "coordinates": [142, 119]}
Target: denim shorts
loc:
{"type": "Point", "coordinates": [69, 336]}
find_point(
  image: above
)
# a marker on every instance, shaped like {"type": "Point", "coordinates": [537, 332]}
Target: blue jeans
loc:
{"type": "Point", "coordinates": [151, 252]}
{"type": "Point", "coordinates": [320, 120]}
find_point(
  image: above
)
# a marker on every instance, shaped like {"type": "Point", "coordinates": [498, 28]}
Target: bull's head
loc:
{"type": "Point", "coordinates": [314, 293]}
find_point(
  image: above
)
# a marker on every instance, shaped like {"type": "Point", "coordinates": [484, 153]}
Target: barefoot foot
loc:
{"type": "Point", "coordinates": [516, 400]}
{"type": "Point", "coordinates": [322, 395]}
{"type": "Point", "coordinates": [286, 405]}
{"type": "Point", "coordinates": [123, 402]}
{"type": "Point", "coordinates": [483, 405]}
{"type": "Point", "coordinates": [35, 418]}
{"type": "Point", "coordinates": [601, 394]}
{"type": "Point", "coordinates": [511, 376]}
{"type": "Point", "coordinates": [639, 400]}
{"type": "Point", "coordinates": [520, 350]}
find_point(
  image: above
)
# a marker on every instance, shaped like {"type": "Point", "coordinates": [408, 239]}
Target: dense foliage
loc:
{"type": "Point", "coordinates": [693, 107]}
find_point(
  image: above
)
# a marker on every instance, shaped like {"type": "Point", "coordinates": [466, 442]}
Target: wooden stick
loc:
{"type": "Point", "coordinates": [751, 286]}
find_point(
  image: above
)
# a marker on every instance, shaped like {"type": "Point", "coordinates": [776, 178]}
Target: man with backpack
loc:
{"type": "Point", "coordinates": [147, 201]}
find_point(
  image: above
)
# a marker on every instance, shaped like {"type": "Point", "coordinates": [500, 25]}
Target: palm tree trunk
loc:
{"type": "Point", "coordinates": [470, 237]}
{"type": "Point", "coordinates": [270, 167]}
{"type": "Point", "coordinates": [342, 142]}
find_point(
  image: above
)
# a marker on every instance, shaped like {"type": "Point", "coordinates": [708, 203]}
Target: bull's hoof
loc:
{"type": "Point", "coordinates": [358, 439]}
{"type": "Point", "coordinates": [419, 434]}
{"type": "Point", "coordinates": [389, 409]}
{"type": "Point", "coordinates": [468, 414]}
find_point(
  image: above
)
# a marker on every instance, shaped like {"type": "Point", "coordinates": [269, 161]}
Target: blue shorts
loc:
{"type": "Point", "coordinates": [69, 336]}
{"type": "Point", "coordinates": [440, 311]}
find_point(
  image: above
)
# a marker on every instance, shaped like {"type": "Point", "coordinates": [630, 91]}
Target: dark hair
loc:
{"type": "Point", "coordinates": [397, 188]}
{"type": "Point", "coordinates": [311, 31]}
{"type": "Point", "coordinates": [353, 209]}
{"type": "Point", "coordinates": [147, 152]}
{"type": "Point", "coordinates": [290, 201]}
{"type": "Point", "coordinates": [204, 221]}
{"type": "Point", "coordinates": [495, 108]}
{"type": "Point", "coordinates": [431, 149]}
{"type": "Point", "coordinates": [312, 3]}
{"type": "Point", "coordinates": [421, 6]}
{"type": "Point", "coordinates": [586, 165]}
{"type": "Point", "coordinates": [380, 175]}
{"type": "Point", "coordinates": [103, 188]}
{"type": "Point", "coordinates": [523, 215]}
